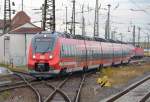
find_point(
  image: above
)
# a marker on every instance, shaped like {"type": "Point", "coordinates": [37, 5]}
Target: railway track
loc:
{"type": "Point", "coordinates": [60, 89]}
{"type": "Point", "coordinates": [55, 86]}
{"type": "Point", "coordinates": [77, 98]}
{"type": "Point", "coordinates": [137, 92]}
{"type": "Point", "coordinates": [19, 81]}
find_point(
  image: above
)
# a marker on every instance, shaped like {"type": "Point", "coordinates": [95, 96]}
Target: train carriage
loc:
{"type": "Point", "coordinates": [52, 53]}
{"type": "Point", "coordinates": [139, 52]}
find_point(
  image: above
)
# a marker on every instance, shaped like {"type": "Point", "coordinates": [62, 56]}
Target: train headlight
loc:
{"type": "Point", "coordinates": [33, 56]}
{"type": "Point", "coordinates": [50, 56]}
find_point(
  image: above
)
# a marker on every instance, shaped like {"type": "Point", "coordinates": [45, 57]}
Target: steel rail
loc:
{"type": "Point", "coordinates": [30, 85]}
{"type": "Point", "coordinates": [117, 96]}
{"type": "Point", "coordinates": [56, 89]}
{"type": "Point", "coordinates": [25, 73]}
{"type": "Point", "coordinates": [15, 84]}
{"type": "Point", "coordinates": [59, 91]}
{"type": "Point", "coordinates": [18, 82]}
{"type": "Point", "coordinates": [145, 97]}
{"type": "Point", "coordinates": [80, 88]}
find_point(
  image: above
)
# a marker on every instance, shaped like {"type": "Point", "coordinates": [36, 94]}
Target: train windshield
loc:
{"type": "Point", "coordinates": [43, 45]}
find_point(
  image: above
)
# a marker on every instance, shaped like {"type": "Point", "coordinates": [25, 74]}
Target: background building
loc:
{"type": "Point", "coordinates": [15, 44]}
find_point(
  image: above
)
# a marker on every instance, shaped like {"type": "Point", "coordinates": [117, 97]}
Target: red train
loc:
{"type": "Point", "coordinates": [138, 52]}
{"type": "Point", "coordinates": [53, 53]}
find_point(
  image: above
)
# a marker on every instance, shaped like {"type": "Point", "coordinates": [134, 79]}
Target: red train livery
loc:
{"type": "Point", "coordinates": [53, 53]}
{"type": "Point", "coordinates": [138, 52]}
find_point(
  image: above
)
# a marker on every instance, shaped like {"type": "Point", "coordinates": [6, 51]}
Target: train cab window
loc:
{"type": "Point", "coordinates": [43, 44]}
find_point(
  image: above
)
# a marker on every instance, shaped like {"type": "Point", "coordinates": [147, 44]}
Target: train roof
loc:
{"type": "Point", "coordinates": [80, 37]}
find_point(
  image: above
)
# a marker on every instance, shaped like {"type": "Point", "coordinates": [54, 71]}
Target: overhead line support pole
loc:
{"type": "Point", "coordinates": [134, 35]}
{"type": "Point", "coordinates": [139, 29]}
{"type": "Point", "coordinates": [96, 21]}
{"type": "Point", "coordinates": [49, 15]}
{"type": "Point", "coordinates": [66, 19]}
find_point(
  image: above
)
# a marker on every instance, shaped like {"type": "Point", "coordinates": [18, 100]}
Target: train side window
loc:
{"type": "Point", "coordinates": [68, 47]}
{"type": "Point", "coordinates": [62, 51]}
{"type": "Point", "coordinates": [77, 51]}
{"type": "Point", "coordinates": [71, 50]}
{"type": "Point", "coordinates": [72, 46]}
{"type": "Point", "coordinates": [66, 51]}
{"type": "Point", "coordinates": [104, 55]}
{"type": "Point", "coordinates": [74, 50]}
{"type": "Point", "coordinates": [93, 53]}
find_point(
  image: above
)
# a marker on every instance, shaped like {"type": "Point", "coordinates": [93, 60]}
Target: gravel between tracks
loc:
{"type": "Point", "coordinates": [21, 95]}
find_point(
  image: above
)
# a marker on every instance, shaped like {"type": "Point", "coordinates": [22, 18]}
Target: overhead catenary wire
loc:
{"type": "Point", "coordinates": [139, 7]}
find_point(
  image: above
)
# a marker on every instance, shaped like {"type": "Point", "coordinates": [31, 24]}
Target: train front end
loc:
{"type": "Point", "coordinates": [43, 58]}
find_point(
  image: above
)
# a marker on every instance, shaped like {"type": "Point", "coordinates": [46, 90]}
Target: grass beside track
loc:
{"type": "Point", "coordinates": [122, 74]}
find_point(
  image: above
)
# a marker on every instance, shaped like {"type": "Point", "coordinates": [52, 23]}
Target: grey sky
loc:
{"type": "Point", "coordinates": [121, 17]}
